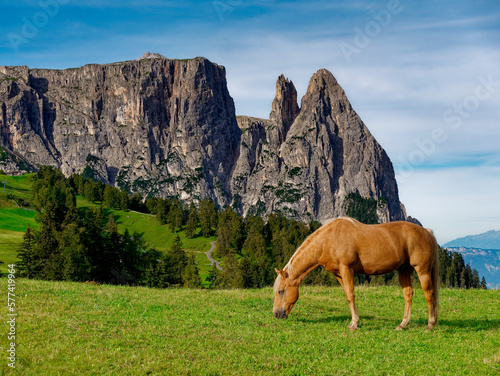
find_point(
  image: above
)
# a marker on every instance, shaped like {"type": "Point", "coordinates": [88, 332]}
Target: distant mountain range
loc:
{"type": "Point", "coordinates": [488, 240]}
{"type": "Point", "coordinates": [482, 252]}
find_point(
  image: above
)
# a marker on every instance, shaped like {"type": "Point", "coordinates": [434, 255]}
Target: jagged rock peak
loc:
{"type": "Point", "coordinates": [150, 55]}
{"type": "Point", "coordinates": [323, 78]}
{"type": "Point", "coordinates": [285, 108]}
{"type": "Point", "coordinates": [324, 90]}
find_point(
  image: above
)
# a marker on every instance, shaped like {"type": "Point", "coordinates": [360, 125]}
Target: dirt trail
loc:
{"type": "Point", "coordinates": [209, 257]}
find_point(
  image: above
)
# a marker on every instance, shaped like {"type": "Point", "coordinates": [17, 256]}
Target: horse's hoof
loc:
{"type": "Point", "coordinates": [399, 327]}
{"type": "Point", "coordinates": [429, 328]}
{"type": "Point", "coordinates": [352, 327]}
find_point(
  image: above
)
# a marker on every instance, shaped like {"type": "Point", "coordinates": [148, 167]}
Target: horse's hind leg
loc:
{"type": "Point", "coordinates": [429, 293]}
{"type": "Point", "coordinates": [405, 282]}
{"type": "Point", "coordinates": [347, 276]}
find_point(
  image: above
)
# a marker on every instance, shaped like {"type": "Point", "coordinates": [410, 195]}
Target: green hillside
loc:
{"type": "Point", "coordinates": [73, 328]}
{"type": "Point", "coordinates": [14, 221]}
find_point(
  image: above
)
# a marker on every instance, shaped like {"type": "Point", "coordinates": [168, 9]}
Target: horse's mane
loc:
{"type": "Point", "coordinates": [352, 220]}
{"type": "Point", "coordinates": [288, 267]}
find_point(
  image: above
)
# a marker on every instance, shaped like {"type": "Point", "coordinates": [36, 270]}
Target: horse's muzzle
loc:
{"type": "Point", "coordinates": [281, 314]}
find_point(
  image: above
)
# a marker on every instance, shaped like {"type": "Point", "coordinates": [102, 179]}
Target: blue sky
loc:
{"type": "Point", "coordinates": [424, 76]}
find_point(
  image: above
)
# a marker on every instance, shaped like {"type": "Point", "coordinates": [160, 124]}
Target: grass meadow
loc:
{"type": "Point", "coordinates": [68, 328]}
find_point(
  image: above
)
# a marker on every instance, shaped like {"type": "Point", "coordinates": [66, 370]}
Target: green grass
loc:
{"type": "Point", "coordinates": [16, 219]}
{"type": "Point", "coordinates": [70, 328]}
{"type": "Point", "coordinates": [13, 220]}
{"type": "Point", "coordinates": [17, 185]}
{"type": "Point", "coordinates": [9, 245]}
{"type": "Point", "coordinates": [156, 235]}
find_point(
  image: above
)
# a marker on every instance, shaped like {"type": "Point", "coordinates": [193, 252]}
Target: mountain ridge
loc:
{"type": "Point", "coordinates": [486, 240]}
{"type": "Point", "coordinates": [168, 127]}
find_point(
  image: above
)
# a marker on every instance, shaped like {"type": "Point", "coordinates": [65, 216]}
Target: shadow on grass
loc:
{"type": "Point", "coordinates": [330, 319]}
{"type": "Point", "coordinates": [470, 324]}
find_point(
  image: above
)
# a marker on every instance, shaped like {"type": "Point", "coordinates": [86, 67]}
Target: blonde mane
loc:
{"type": "Point", "coordinates": [352, 220]}
{"type": "Point", "coordinates": [289, 267]}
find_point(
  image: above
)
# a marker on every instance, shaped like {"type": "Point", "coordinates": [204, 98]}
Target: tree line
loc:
{"type": "Point", "coordinates": [82, 244]}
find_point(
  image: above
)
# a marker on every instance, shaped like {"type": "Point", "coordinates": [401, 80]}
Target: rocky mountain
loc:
{"type": "Point", "coordinates": [168, 128]}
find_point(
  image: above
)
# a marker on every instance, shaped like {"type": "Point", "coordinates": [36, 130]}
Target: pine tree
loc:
{"type": "Point", "coordinates": [361, 208]}
{"type": "Point", "coordinates": [476, 282]}
{"type": "Point", "coordinates": [46, 256]}
{"type": "Point", "coordinates": [191, 275]}
{"type": "Point", "coordinates": [245, 271]}
{"type": "Point", "coordinates": [88, 191]}
{"type": "Point", "coordinates": [192, 222]}
{"type": "Point", "coordinates": [75, 265]}
{"type": "Point", "coordinates": [156, 274]}
{"type": "Point", "coordinates": [463, 279]}
{"type": "Point", "coordinates": [237, 231]}
{"type": "Point", "coordinates": [214, 277]}
{"type": "Point", "coordinates": [231, 278]}
{"type": "Point", "coordinates": [162, 210]}
{"type": "Point", "coordinates": [124, 201]}
{"type": "Point", "coordinates": [26, 266]}
{"type": "Point", "coordinates": [484, 285]}
{"type": "Point", "coordinates": [177, 260]}
{"type": "Point", "coordinates": [137, 203]}
{"type": "Point", "coordinates": [175, 216]}
{"type": "Point", "coordinates": [223, 245]}
{"type": "Point", "coordinates": [111, 197]}
{"type": "Point", "coordinates": [152, 205]}
{"type": "Point", "coordinates": [208, 217]}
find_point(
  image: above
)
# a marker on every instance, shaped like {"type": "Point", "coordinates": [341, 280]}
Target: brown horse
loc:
{"type": "Point", "coordinates": [346, 246]}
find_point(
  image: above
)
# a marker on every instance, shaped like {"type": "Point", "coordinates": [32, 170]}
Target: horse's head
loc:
{"type": "Point", "coordinates": [285, 295]}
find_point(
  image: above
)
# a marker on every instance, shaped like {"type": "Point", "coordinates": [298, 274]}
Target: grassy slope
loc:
{"type": "Point", "coordinates": [13, 223]}
{"type": "Point", "coordinates": [13, 220]}
{"type": "Point", "coordinates": [161, 237]}
{"type": "Point", "coordinates": [69, 328]}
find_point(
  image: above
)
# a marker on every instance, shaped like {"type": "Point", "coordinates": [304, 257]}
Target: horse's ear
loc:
{"type": "Point", "coordinates": [282, 273]}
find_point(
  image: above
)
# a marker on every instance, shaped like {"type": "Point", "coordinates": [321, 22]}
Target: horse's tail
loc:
{"type": "Point", "coordinates": [435, 272]}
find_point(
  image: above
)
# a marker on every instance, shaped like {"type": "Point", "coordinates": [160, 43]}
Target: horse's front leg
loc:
{"type": "Point", "coordinates": [347, 275]}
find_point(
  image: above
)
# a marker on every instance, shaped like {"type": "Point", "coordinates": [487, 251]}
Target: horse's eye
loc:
{"type": "Point", "coordinates": [281, 292]}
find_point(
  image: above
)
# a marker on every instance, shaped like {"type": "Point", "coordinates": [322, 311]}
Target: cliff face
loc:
{"type": "Point", "coordinates": [168, 128]}
{"type": "Point", "coordinates": [153, 125]}
{"type": "Point", "coordinates": [327, 152]}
